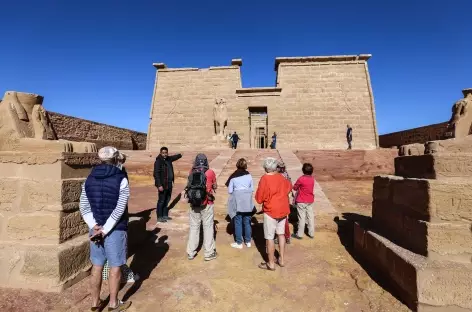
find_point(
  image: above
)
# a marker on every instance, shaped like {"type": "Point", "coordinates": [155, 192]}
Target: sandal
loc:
{"type": "Point", "coordinates": [265, 266]}
{"type": "Point", "coordinates": [122, 306]}
{"type": "Point", "coordinates": [280, 265]}
{"type": "Point", "coordinates": [99, 307]}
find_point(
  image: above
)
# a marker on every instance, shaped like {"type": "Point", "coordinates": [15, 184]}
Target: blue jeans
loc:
{"type": "Point", "coordinates": [242, 219]}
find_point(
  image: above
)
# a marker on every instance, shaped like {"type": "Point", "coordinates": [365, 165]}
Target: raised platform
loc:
{"type": "Point", "coordinates": [425, 285]}
{"type": "Point", "coordinates": [434, 166]}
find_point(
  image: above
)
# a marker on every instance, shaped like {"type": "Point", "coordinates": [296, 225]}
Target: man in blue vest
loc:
{"type": "Point", "coordinates": [103, 205]}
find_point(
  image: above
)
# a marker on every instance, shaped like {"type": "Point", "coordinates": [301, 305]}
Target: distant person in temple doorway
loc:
{"type": "Point", "coordinates": [349, 137]}
{"type": "Point", "coordinates": [234, 140]}
{"type": "Point", "coordinates": [274, 141]}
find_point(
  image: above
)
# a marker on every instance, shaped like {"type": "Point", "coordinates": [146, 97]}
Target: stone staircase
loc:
{"type": "Point", "coordinates": [254, 158]}
{"type": "Point", "coordinates": [324, 210]}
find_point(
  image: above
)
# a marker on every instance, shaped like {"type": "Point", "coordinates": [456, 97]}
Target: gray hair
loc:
{"type": "Point", "coordinates": [270, 164]}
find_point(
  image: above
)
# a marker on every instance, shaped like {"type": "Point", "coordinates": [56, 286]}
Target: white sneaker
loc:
{"type": "Point", "coordinates": [237, 246]}
{"type": "Point", "coordinates": [248, 245]}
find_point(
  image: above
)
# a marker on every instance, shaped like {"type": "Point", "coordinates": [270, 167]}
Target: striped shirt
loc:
{"type": "Point", "coordinates": [86, 209]}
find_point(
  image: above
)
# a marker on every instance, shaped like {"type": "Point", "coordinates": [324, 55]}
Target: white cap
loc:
{"type": "Point", "coordinates": [108, 153]}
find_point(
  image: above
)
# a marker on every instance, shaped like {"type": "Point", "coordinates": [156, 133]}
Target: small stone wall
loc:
{"type": "Point", "coordinates": [76, 129]}
{"type": "Point", "coordinates": [415, 135]}
{"type": "Point", "coordinates": [349, 165]}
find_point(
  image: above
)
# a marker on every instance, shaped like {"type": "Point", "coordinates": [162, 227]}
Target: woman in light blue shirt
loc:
{"type": "Point", "coordinates": [240, 205]}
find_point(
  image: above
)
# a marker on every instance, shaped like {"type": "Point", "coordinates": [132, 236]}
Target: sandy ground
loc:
{"type": "Point", "coordinates": [320, 274]}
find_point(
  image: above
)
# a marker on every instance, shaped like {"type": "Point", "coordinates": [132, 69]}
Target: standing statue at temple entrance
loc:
{"type": "Point", "coordinates": [220, 117]}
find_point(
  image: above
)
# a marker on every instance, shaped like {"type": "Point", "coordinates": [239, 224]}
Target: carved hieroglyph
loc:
{"type": "Point", "coordinates": [220, 116]}
{"type": "Point", "coordinates": [460, 124]}
{"type": "Point", "coordinates": [25, 126]}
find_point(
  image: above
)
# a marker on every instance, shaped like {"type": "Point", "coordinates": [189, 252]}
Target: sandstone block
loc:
{"type": "Point", "coordinates": [52, 226]}
{"type": "Point", "coordinates": [25, 195]}
{"type": "Point", "coordinates": [438, 240]}
{"type": "Point", "coordinates": [47, 267]}
{"type": "Point", "coordinates": [46, 166]}
{"type": "Point", "coordinates": [425, 285]}
{"type": "Point", "coordinates": [434, 166]}
{"type": "Point", "coordinates": [428, 200]}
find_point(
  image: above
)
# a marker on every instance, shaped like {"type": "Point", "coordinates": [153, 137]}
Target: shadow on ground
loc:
{"type": "Point", "coordinates": [346, 237]}
{"type": "Point", "coordinates": [145, 260]}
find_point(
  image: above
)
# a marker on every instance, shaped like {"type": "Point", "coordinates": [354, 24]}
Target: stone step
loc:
{"type": "Point", "coordinates": [294, 169]}
{"type": "Point", "coordinates": [428, 200]}
{"type": "Point", "coordinates": [438, 240]}
{"type": "Point", "coordinates": [424, 285]}
{"type": "Point", "coordinates": [434, 166]}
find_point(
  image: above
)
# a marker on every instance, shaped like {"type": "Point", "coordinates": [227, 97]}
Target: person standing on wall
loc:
{"type": "Point", "coordinates": [103, 206]}
{"type": "Point", "coordinates": [164, 181]}
{"type": "Point", "coordinates": [274, 141]}
{"type": "Point", "coordinates": [234, 139]}
{"type": "Point", "coordinates": [349, 137]}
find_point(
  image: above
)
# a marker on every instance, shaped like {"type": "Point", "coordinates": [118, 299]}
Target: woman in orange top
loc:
{"type": "Point", "coordinates": [272, 193]}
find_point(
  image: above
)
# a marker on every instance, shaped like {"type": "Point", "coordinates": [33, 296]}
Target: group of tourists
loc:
{"type": "Point", "coordinates": [273, 194]}
{"type": "Point", "coordinates": [104, 208]}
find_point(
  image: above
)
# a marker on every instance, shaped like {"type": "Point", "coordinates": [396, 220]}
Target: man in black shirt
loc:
{"type": "Point", "coordinates": [164, 181]}
{"type": "Point", "coordinates": [349, 137]}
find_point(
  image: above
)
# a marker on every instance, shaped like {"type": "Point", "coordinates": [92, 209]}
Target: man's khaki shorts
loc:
{"type": "Point", "coordinates": [273, 226]}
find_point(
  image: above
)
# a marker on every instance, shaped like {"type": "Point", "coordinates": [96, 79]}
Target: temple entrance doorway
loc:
{"type": "Point", "coordinates": [258, 127]}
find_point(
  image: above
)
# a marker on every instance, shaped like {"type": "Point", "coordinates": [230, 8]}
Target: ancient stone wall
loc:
{"type": "Point", "coordinates": [346, 165]}
{"type": "Point", "coordinates": [319, 97]}
{"type": "Point", "coordinates": [76, 129]}
{"type": "Point", "coordinates": [182, 107]}
{"type": "Point", "coordinates": [415, 135]}
{"type": "Point", "coordinates": [313, 101]}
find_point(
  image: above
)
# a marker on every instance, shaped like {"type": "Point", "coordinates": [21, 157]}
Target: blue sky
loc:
{"type": "Point", "coordinates": [93, 59]}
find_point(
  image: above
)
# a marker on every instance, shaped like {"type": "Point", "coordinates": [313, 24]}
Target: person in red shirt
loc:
{"type": "Point", "coordinates": [273, 193]}
{"type": "Point", "coordinates": [203, 214]}
{"type": "Point", "coordinates": [304, 201]}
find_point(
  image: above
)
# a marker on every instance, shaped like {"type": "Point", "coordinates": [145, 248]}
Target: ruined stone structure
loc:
{"type": "Point", "coordinates": [416, 135]}
{"type": "Point", "coordinates": [313, 100]}
{"type": "Point", "coordinates": [77, 129]}
{"type": "Point", "coordinates": [420, 236]}
{"type": "Point", "coordinates": [43, 244]}
{"type": "Point", "coordinates": [25, 126]}
{"type": "Point", "coordinates": [458, 126]}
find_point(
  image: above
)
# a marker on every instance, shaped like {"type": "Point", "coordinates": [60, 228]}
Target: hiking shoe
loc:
{"type": "Point", "coordinates": [122, 306]}
{"type": "Point", "coordinates": [248, 245]}
{"type": "Point", "coordinates": [168, 218]}
{"type": "Point", "coordinates": [161, 220]}
{"type": "Point", "coordinates": [296, 236]}
{"type": "Point", "coordinates": [237, 246]}
{"type": "Point", "coordinates": [212, 256]}
{"type": "Point", "coordinates": [276, 240]}
{"type": "Point", "coordinates": [312, 237]}
{"type": "Point", "coordinates": [190, 257]}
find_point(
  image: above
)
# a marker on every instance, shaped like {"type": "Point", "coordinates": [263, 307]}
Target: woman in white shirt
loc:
{"type": "Point", "coordinates": [240, 204]}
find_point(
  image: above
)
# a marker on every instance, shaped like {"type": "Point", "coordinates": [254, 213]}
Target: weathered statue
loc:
{"type": "Point", "coordinates": [411, 149]}
{"type": "Point", "coordinates": [220, 117]}
{"type": "Point", "coordinates": [460, 123]}
{"type": "Point", "coordinates": [25, 126]}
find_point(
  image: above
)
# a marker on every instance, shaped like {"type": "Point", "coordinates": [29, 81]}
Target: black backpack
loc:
{"type": "Point", "coordinates": [196, 188]}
